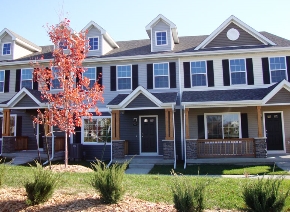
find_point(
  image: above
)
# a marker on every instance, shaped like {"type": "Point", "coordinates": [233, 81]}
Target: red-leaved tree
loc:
{"type": "Point", "coordinates": [75, 96]}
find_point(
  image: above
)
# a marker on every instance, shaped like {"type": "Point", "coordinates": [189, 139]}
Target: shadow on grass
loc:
{"type": "Point", "coordinates": [220, 169]}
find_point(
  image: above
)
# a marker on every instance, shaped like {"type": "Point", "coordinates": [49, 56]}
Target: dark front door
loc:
{"type": "Point", "coordinates": [148, 135]}
{"type": "Point", "coordinates": [273, 123]}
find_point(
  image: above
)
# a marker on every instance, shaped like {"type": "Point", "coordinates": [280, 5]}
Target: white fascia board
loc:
{"type": "Point", "coordinates": [110, 40]}
{"type": "Point", "coordinates": [28, 46]}
{"type": "Point", "coordinates": [244, 103]}
{"type": "Point", "coordinates": [5, 30]}
{"type": "Point", "coordinates": [283, 84]}
{"type": "Point", "coordinates": [241, 24]}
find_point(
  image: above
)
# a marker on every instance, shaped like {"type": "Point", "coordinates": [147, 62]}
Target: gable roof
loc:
{"type": "Point", "coordinates": [28, 44]}
{"type": "Point", "coordinates": [108, 38]}
{"type": "Point", "coordinates": [238, 22]}
{"type": "Point", "coordinates": [172, 26]}
{"type": "Point", "coordinates": [161, 100]}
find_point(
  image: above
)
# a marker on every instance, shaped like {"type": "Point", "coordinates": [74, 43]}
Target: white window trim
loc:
{"type": "Point", "coordinates": [168, 76]}
{"type": "Point", "coordinates": [3, 49]}
{"type": "Point", "coordinates": [3, 81]}
{"type": "Point", "coordinates": [26, 80]}
{"type": "Point", "coordinates": [206, 80]}
{"type": "Point", "coordinates": [246, 77]}
{"type": "Point", "coordinates": [62, 48]}
{"type": "Point", "coordinates": [15, 123]}
{"type": "Point", "coordinates": [51, 88]}
{"type": "Point", "coordinates": [94, 143]}
{"type": "Point", "coordinates": [165, 36]}
{"type": "Point", "coordinates": [123, 77]}
{"type": "Point", "coordinates": [95, 73]}
{"type": "Point", "coordinates": [205, 123]}
{"type": "Point", "coordinates": [98, 43]}
{"type": "Point", "coordinates": [286, 74]}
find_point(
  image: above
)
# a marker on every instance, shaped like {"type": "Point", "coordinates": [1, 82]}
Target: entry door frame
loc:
{"type": "Point", "coordinates": [140, 137]}
{"type": "Point", "coordinates": [283, 131]}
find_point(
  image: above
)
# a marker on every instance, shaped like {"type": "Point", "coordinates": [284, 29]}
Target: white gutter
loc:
{"type": "Point", "coordinates": [180, 98]}
{"type": "Point", "coordinates": [174, 166]}
{"type": "Point", "coordinates": [184, 136]}
{"type": "Point", "coordinates": [111, 143]}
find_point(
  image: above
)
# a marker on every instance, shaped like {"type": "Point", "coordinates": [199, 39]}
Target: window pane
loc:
{"type": "Point", "coordinates": [6, 48]}
{"type": "Point", "coordinates": [214, 126]}
{"type": "Point", "coordinates": [231, 125]}
{"type": "Point", "coordinates": [198, 73]}
{"type": "Point", "coordinates": [238, 78]}
{"type": "Point", "coordinates": [198, 80]}
{"type": "Point", "coordinates": [161, 75]}
{"type": "Point", "coordinates": [278, 69]}
{"type": "Point", "coordinates": [26, 77]}
{"type": "Point", "coordinates": [124, 83]}
{"type": "Point", "coordinates": [238, 71]}
{"type": "Point", "coordinates": [94, 43]}
{"type": "Point", "coordinates": [2, 81]}
{"type": "Point", "coordinates": [97, 130]}
{"type": "Point", "coordinates": [55, 82]}
{"type": "Point", "coordinates": [161, 38]}
{"type": "Point", "coordinates": [124, 77]}
{"type": "Point", "coordinates": [1, 86]}
{"type": "Point", "coordinates": [279, 75]}
{"type": "Point", "coordinates": [161, 82]}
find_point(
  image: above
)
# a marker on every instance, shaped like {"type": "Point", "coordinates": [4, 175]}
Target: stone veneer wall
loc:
{"type": "Point", "coordinates": [260, 147]}
{"type": "Point", "coordinates": [9, 143]}
{"type": "Point", "coordinates": [118, 149]}
{"type": "Point", "coordinates": [168, 149]}
{"type": "Point", "coordinates": [191, 149]}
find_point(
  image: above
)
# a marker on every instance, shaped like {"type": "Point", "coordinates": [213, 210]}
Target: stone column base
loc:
{"type": "Point", "coordinates": [168, 149]}
{"type": "Point", "coordinates": [191, 149]}
{"type": "Point", "coordinates": [118, 149]}
{"type": "Point", "coordinates": [260, 147]}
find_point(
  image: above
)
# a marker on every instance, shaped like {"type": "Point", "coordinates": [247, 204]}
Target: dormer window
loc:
{"type": "Point", "coordinates": [94, 43]}
{"type": "Point", "coordinates": [161, 38]}
{"type": "Point", "coordinates": [62, 44]}
{"type": "Point", "coordinates": [6, 49]}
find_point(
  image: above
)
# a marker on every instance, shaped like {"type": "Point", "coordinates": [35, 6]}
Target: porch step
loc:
{"type": "Point", "coordinates": [140, 166]}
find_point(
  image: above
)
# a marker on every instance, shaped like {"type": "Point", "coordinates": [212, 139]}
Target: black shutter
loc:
{"type": "Point", "coordinates": [226, 72]}
{"type": "Point", "coordinates": [288, 67]}
{"type": "Point", "coordinates": [34, 81]}
{"type": "Point", "coordinates": [200, 126]}
{"type": "Point", "coordinates": [172, 70]}
{"type": "Point", "coordinates": [7, 79]}
{"type": "Point", "coordinates": [266, 73]}
{"type": "Point", "coordinates": [244, 125]}
{"type": "Point", "coordinates": [48, 80]}
{"type": "Point", "coordinates": [210, 73]}
{"type": "Point", "coordinates": [149, 76]}
{"type": "Point", "coordinates": [186, 69]}
{"type": "Point", "coordinates": [135, 82]}
{"type": "Point", "coordinates": [18, 78]}
{"type": "Point", "coordinates": [100, 75]}
{"type": "Point", "coordinates": [19, 126]}
{"type": "Point", "coordinates": [113, 78]}
{"type": "Point", "coordinates": [250, 71]}
{"type": "Point", "coordinates": [78, 135]}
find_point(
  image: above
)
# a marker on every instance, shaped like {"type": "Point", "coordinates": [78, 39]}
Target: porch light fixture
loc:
{"type": "Point", "coordinates": [122, 111]}
{"type": "Point", "coordinates": [135, 121]}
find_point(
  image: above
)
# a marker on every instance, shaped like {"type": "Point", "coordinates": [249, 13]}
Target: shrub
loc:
{"type": "Point", "coordinates": [264, 195]}
{"type": "Point", "coordinates": [187, 196]}
{"type": "Point", "coordinates": [3, 168]}
{"type": "Point", "coordinates": [108, 181]}
{"type": "Point", "coordinates": [43, 186]}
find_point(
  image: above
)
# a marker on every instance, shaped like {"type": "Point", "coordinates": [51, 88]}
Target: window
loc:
{"type": "Point", "coordinates": [90, 73]}
{"type": "Point", "coordinates": [97, 130]}
{"type": "Point", "coordinates": [2, 80]}
{"type": "Point", "coordinates": [277, 69]}
{"type": "Point", "coordinates": [161, 75]}
{"type": "Point", "coordinates": [62, 44]}
{"type": "Point", "coordinates": [222, 126]}
{"type": "Point", "coordinates": [6, 49]}
{"type": "Point", "coordinates": [161, 38]}
{"type": "Point", "coordinates": [26, 78]}
{"type": "Point", "coordinates": [94, 43]}
{"type": "Point", "coordinates": [124, 74]}
{"type": "Point", "coordinates": [12, 125]}
{"type": "Point", "coordinates": [198, 73]}
{"type": "Point", "coordinates": [55, 81]}
{"type": "Point", "coordinates": [238, 71]}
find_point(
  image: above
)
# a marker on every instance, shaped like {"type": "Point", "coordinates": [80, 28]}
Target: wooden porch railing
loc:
{"type": "Point", "coordinates": [240, 147]}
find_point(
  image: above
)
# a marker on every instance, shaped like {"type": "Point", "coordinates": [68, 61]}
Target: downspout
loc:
{"type": "Point", "coordinates": [52, 144]}
{"type": "Point", "coordinates": [111, 142]}
{"type": "Point", "coordinates": [174, 137]}
{"type": "Point", "coordinates": [184, 137]}
{"type": "Point", "coordinates": [180, 97]}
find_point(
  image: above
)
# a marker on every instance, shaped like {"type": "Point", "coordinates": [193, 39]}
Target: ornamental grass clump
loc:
{"type": "Point", "coordinates": [3, 168]}
{"type": "Point", "coordinates": [42, 187]}
{"type": "Point", "coordinates": [264, 195]}
{"type": "Point", "coordinates": [188, 197]}
{"type": "Point", "coordinates": [108, 181]}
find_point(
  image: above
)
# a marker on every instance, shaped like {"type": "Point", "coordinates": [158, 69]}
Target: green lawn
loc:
{"type": "Point", "coordinates": [220, 193]}
{"type": "Point", "coordinates": [219, 169]}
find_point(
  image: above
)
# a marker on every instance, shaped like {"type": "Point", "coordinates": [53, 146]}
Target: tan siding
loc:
{"type": "Point", "coordinates": [222, 40]}
{"type": "Point", "coordinates": [283, 96]}
{"type": "Point", "coordinates": [161, 26]}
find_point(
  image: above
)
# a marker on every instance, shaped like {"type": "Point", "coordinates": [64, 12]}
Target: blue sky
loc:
{"type": "Point", "coordinates": [126, 19]}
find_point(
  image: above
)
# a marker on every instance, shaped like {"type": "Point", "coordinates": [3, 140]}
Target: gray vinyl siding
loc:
{"type": "Point", "coordinates": [94, 32]}
{"type": "Point", "coordinates": [161, 26]}
{"type": "Point", "coordinates": [142, 79]}
{"type": "Point", "coordinates": [101, 152]}
{"type": "Point", "coordinates": [6, 39]}
{"type": "Point", "coordinates": [26, 101]}
{"type": "Point", "coordinates": [244, 39]}
{"type": "Point", "coordinates": [141, 101]}
{"type": "Point", "coordinates": [131, 133]}
{"type": "Point", "coordinates": [281, 97]}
